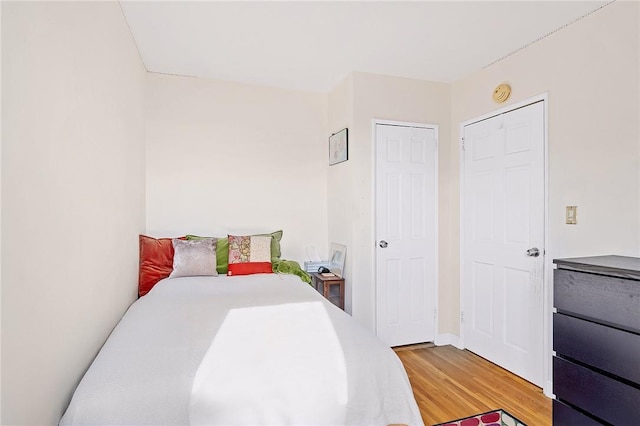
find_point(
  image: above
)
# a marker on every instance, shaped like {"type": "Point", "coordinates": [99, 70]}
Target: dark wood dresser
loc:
{"type": "Point", "coordinates": [596, 339]}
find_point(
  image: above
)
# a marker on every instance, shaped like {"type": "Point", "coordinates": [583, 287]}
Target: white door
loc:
{"type": "Point", "coordinates": [406, 238]}
{"type": "Point", "coordinates": [503, 225]}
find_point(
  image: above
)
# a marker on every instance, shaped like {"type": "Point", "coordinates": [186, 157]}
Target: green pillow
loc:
{"type": "Point", "coordinates": [275, 245]}
{"type": "Point", "coordinates": [222, 249]}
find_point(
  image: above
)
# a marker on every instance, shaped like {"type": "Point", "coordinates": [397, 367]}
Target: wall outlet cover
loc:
{"type": "Point", "coordinates": [571, 217]}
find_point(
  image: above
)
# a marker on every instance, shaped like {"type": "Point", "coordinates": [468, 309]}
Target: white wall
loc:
{"type": "Point", "coordinates": [340, 200]}
{"type": "Point", "coordinates": [591, 72]}
{"type": "Point", "coordinates": [233, 158]}
{"type": "Point", "coordinates": [381, 97]}
{"type": "Point", "coordinates": [73, 171]}
{"type": "Point", "coordinates": [0, 220]}
{"type": "Point", "coordinates": [72, 195]}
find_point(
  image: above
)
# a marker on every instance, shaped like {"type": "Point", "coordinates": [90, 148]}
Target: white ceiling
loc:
{"type": "Point", "coordinates": [312, 46]}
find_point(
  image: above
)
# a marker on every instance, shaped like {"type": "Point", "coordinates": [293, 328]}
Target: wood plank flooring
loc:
{"type": "Point", "coordinates": [450, 384]}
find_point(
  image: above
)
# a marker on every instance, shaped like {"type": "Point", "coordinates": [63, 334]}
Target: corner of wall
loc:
{"type": "Point", "coordinates": [444, 339]}
{"type": "Point", "coordinates": [339, 181]}
{"type": "Point", "coordinates": [72, 180]}
{"type": "Point", "coordinates": [0, 214]}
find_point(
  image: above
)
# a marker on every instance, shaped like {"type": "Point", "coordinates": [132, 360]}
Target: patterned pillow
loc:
{"type": "Point", "coordinates": [250, 254]}
{"type": "Point", "coordinates": [222, 249]}
{"type": "Point", "coordinates": [194, 257]}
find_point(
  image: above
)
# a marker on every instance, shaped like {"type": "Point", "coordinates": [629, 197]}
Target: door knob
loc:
{"type": "Point", "coordinates": [533, 252]}
{"type": "Point", "coordinates": [383, 244]}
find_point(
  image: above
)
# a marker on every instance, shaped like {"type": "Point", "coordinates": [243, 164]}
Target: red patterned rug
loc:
{"type": "Point", "coordinates": [491, 418]}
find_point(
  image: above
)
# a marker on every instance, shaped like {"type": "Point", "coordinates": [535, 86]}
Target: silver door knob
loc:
{"type": "Point", "coordinates": [533, 252]}
{"type": "Point", "coordinates": [383, 244]}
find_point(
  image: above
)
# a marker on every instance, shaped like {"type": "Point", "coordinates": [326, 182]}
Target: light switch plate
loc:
{"type": "Point", "coordinates": [572, 218]}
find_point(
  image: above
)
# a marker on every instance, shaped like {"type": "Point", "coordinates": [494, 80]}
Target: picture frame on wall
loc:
{"type": "Point", "coordinates": [337, 257]}
{"type": "Point", "coordinates": [339, 147]}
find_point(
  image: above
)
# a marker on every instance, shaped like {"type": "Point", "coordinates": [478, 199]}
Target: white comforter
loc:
{"type": "Point", "coordinates": [255, 350]}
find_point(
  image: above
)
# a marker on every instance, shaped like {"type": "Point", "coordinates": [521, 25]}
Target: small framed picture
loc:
{"type": "Point", "coordinates": [337, 256]}
{"type": "Point", "coordinates": [339, 147]}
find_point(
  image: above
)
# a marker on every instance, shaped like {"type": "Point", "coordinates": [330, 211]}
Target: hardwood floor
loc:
{"type": "Point", "coordinates": [450, 384]}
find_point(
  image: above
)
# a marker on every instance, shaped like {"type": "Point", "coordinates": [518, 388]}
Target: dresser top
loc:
{"type": "Point", "coordinates": [617, 266]}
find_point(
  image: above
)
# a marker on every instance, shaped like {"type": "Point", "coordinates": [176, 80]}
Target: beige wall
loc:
{"type": "Point", "coordinates": [72, 195]}
{"type": "Point", "coordinates": [233, 158]}
{"type": "Point", "coordinates": [0, 217]}
{"type": "Point", "coordinates": [387, 98]}
{"type": "Point", "coordinates": [73, 171]}
{"type": "Point", "coordinates": [594, 159]}
{"type": "Point", "coordinates": [340, 201]}
{"type": "Point", "coordinates": [590, 71]}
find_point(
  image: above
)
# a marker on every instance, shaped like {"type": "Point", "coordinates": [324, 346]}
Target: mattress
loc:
{"type": "Point", "coordinates": [264, 349]}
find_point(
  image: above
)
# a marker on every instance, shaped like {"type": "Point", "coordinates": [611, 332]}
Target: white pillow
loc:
{"type": "Point", "coordinates": [194, 257]}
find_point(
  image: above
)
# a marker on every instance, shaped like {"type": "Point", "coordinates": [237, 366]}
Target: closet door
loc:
{"type": "Point", "coordinates": [406, 237]}
{"type": "Point", "coordinates": [503, 240]}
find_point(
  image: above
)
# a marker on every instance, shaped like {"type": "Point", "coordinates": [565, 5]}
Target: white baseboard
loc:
{"type": "Point", "coordinates": [448, 339]}
{"type": "Point", "coordinates": [548, 389]}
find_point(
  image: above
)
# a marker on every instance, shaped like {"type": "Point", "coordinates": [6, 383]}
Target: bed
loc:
{"type": "Point", "coordinates": [261, 349]}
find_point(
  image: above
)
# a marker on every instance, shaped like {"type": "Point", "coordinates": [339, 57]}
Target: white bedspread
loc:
{"type": "Point", "coordinates": [255, 350]}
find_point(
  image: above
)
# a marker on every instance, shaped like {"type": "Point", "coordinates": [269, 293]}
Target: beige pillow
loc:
{"type": "Point", "coordinates": [194, 257]}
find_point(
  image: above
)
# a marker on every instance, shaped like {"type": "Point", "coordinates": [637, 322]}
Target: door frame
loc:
{"type": "Point", "coordinates": [547, 302]}
{"type": "Point", "coordinates": [374, 216]}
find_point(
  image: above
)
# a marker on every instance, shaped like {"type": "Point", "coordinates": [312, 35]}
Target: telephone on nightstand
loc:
{"type": "Point", "coordinates": [323, 270]}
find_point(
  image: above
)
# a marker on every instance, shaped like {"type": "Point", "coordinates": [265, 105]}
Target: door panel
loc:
{"type": "Point", "coordinates": [393, 217]}
{"type": "Point", "coordinates": [418, 294]}
{"type": "Point", "coordinates": [516, 301]}
{"type": "Point", "coordinates": [405, 219]}
{"type": "Point", "coordinates": [417, 209]}
{"type": "Point", "coordinates": [483, 308]}
{"type": "Point", "coordinates": [503, 216]}
{"type": "Point", "coordinates": [483, 206]}
{"type": "Point", "coordinates": [517, 196]}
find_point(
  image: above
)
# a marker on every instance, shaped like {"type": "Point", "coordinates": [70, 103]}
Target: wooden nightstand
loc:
{"type": "Point", "coordinates": [324, 286]}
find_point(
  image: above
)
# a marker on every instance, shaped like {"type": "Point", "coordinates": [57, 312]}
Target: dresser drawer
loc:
{"type": "Point", "coordinates": [609, 349]}
{"type": "Point", "coordinates": [564, 415]}
{"type": "Point", "coordinates": [612, 401]}
{"type": "Point", "coordinates": [615, 301]}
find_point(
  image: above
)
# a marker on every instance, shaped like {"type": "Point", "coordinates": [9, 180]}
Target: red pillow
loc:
{"type": "Point", "coordinates": [250, 268]}
{"type": "Point", "coordinates": [156, 262]}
